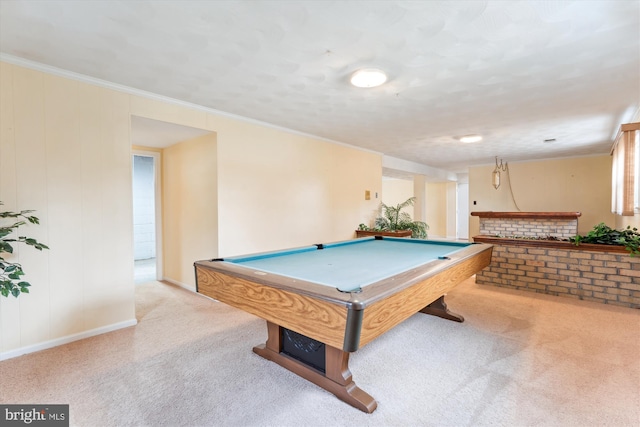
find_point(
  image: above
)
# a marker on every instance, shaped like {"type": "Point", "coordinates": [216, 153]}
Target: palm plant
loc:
{"type": "Point", "coordinates": [392, 218]}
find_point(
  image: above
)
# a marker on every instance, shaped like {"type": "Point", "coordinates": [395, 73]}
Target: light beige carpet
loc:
{"type": "Point", "coordinates": [519, 359]}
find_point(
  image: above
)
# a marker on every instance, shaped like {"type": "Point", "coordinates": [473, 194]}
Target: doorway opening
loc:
{"type": "Point", "coordinates": [146, 217]}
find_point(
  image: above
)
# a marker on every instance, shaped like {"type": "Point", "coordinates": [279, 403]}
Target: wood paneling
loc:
{"type": "Point", "coordinates": [31, 187]}
{"type": "Point", "coordinates": [64, 191]}
{"type": "Point", "coordinates": [9, 310]}
{"type": "Point", "coordinates": [66, 149]}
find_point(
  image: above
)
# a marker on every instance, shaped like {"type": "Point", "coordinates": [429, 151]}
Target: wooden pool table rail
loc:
{"type": "Point", "coordinates": [319, 319]}
{"type": "Point", "coordinates": [389, 312]}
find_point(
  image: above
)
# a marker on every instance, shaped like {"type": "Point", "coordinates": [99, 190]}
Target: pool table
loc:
{"type": "Point", "coordinates": [324, 301]}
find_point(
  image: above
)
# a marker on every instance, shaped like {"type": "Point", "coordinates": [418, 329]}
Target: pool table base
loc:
{"type": "Point", "coordinates": [336, 379]}
{"type": "Point", "coordinates": [439, 308]}
{"type": "Point", "coordinates": [335, 376]}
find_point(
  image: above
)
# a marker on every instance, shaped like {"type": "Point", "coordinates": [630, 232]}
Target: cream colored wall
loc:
{"type": "Point", "coordinates": [278, 190]}
{"type": "Point", "coordinates": [65, 151]}
{"type": "Point", "coordinates": [394, 192]}
{"type": "Point", "coordinates": [627, 221]}
{"type": "Point", "coordinates": [352, 173]}
{"type": "Point", "coordinates": [436, 217]}
{"type": "Point", "coordinates": [437, 203]}
{"type": "Point", "coordinates": [580, 184]}
{"type": "Point", "coordinates": [451, 212]}
{"type": "Point", "coordinates": [189, 207]}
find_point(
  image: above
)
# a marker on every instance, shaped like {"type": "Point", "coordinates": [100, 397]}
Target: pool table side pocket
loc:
{"type": "Point", "coordinates": [321, 320]}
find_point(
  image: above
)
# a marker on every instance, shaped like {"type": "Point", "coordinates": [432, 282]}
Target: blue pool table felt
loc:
{"type": "Point", "coordinates": [350, 265]}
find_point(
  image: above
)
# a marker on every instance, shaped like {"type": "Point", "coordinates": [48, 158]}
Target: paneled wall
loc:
{"type": "Point", "coordinates": [65, 151]}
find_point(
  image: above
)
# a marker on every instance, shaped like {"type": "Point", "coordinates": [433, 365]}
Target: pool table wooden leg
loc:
{"type": "Point", "coordinates": [336, 379]}
{"type": "Point", "coordinates": [439, 308]}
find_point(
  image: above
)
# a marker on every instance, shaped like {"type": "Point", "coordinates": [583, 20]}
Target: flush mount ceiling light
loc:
{"type": "Point", "coordinates": [467, 139]}
{"type": "Point", "coordinates": [368, 77]}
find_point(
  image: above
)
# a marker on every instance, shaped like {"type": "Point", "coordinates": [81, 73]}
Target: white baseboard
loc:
{"type": "Point", "coordinates": [182, 285]}
{"type": "Point", "coordinates": [188, 288]}
{"type": "Point", "coordinates": [66, 339]}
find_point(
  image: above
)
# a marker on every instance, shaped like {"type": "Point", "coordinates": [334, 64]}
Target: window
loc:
{"type": "Point", "coordinates": [625, 175]}
{"type": "Point", "coordinates": [637, 173]}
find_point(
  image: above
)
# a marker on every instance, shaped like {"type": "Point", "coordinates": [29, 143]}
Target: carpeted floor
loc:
{"type": "Point", "coordinates": [519, 359]}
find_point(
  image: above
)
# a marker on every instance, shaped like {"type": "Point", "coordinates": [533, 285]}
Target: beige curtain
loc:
{"type": "Point", "coordinates": [624, 170]}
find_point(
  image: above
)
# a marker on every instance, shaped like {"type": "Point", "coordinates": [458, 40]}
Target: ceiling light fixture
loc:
{"type": "Point", "coordinates": [467, 139]}
{"type": "Point", "coordinates": [368, 77]}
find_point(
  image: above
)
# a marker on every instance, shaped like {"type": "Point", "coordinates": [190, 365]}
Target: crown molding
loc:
{"type": "Point", "coordinates": [11, 59]}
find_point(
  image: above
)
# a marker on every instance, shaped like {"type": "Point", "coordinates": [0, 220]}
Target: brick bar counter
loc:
{"type": "Point", "coordinates": [601, 273]}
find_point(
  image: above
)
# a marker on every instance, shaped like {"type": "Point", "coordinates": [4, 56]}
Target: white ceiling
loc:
{"type": "Point", "coordinates": [517, 72]}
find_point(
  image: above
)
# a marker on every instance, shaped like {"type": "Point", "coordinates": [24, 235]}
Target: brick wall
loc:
{"type": "Point", "coordinates": [529, 227]}
{"type": "Point", "coordinates": [609, 277]}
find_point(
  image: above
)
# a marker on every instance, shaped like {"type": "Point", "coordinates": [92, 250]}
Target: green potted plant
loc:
{"type": "Point", "coordinates": [11, 272]}
{"type": "Point", "coordinates": [392, 221]}
{"type": "Point", "coordinates": [604, 235]}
